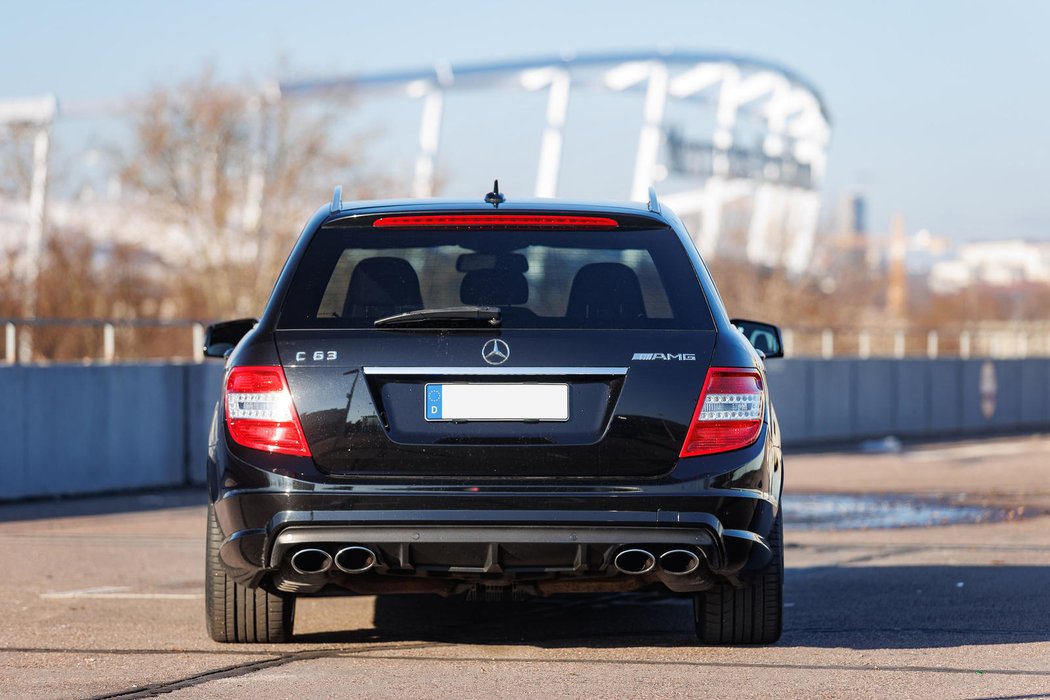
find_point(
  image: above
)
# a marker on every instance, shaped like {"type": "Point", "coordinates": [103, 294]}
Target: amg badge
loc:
{"type": "Point", "coordinates": [664, 356]}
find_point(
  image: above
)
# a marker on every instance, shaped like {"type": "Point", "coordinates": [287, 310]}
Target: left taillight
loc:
{"type": "Point", "coordinates": [729, 413]}
{"type": "Point", "coordinates": [260, 413]}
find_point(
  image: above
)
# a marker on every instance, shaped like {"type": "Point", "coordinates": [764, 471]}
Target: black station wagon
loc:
{"type": "Point", "coordinates": [494, 399]}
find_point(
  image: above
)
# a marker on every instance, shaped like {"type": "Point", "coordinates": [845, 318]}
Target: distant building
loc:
{"type": "Point", "coordinates": [852, 214]}
{"type": "Point", "coordinates": [995, 263]}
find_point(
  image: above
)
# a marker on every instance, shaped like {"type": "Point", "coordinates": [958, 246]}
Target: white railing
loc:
{"type": "Point", "coordinates": [100, 340]}
{"type": "Point", "coordinates": [992, 340]}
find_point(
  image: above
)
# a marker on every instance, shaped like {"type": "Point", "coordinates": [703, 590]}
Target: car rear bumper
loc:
{"type": "Point", "coordinates": [439, 542]}
{"type": "Point", "coordinates": [440, 534]}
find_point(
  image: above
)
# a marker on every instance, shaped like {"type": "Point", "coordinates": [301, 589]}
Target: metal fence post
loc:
{"type": "Point", "coordinates": [109, 343]}
{"type": "Point", "coordinates": [827, 343]}
{"type": "Point", "coordinates": [198, 342]}
{"type": "Point", "coordinates": [898, 344]}
{"type": "Point", "coordinates": [10, 343]}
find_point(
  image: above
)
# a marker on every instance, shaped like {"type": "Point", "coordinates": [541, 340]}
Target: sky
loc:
{"type": "Point", "coordinates": [939, 109]}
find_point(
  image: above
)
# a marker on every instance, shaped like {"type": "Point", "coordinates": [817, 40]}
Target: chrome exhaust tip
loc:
{"type": "Point", "coordinates": [311, 561]}
{"type": "Point", "coordinates": [679, 562]}
{"type": "Point", "coordinates": [634, 561]}
{"type": "Point", "coordinates": [355, 559]}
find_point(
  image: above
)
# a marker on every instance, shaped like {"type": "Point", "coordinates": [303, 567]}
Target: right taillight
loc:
{"type": "Point", "coordinates": [729, 413]}
{"type": "Point", "coordinates": [260, 413]}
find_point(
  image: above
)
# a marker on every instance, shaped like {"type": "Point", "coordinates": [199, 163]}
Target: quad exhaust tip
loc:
{"type": "Point", "coordinates": [355, 559]}
{"type": "Point", "coordinates": [679, 562]}
{"type": "Point", "coordinates": [634, 561]}
{"type": "Point", "coordinates": [311, 561]}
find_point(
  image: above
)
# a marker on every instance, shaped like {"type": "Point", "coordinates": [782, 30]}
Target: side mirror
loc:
{"type": "Point", "coordinates": [765, 337]}
{"type": "Point", "coordinates": [220, 338]}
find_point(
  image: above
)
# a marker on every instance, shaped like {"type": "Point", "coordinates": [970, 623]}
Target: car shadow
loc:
{"type": "Point", "coordinates": [856, 607]}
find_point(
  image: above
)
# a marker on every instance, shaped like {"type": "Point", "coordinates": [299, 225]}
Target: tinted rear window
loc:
{"type": "Point", "coordinates": [630, 279]}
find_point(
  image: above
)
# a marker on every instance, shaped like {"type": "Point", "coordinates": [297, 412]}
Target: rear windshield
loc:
{"type": "Point", "coordinates": [629, 279]}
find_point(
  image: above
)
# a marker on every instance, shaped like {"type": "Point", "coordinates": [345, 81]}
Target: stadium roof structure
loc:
{"type": "Point", "coordinates": [779, 178]}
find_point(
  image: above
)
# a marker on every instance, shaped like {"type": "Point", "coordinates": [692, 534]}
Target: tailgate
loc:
{"type": "Point", "coordinates": [593, 403]}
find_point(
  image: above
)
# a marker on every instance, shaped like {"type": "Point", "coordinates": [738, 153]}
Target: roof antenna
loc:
{"type": "Point", "coordinates": [495, 198]}
{"type": "Point", "coordinates": [654, 203]}
{"type": "Point", "coordinates": [337, 199]}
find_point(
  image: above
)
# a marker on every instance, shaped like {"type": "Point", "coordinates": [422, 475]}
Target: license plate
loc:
{"type": "Point", "coordinates": [496, 402]}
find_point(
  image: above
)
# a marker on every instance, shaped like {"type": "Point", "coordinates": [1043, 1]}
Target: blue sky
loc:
{"type": "Point", "coordinates": [939, 108]}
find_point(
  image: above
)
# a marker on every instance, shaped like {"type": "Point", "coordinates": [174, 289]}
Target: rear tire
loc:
{"type": "Point", "coordinates": [237, 613]}
{"type": "Point", "coordinates": [752, 614]}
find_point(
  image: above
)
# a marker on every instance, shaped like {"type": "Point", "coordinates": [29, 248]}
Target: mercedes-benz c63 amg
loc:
{"type": "Point", "coordinates": [494, 399]}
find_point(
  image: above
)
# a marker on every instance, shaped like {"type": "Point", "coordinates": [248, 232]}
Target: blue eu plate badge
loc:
{"type": "Point", "coordinates": [433, 402]}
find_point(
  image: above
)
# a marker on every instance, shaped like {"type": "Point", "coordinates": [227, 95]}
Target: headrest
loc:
{"type": "Point", "coordinates": [605, 291]}
{"type": "Point", "coordinates": [382, 286]}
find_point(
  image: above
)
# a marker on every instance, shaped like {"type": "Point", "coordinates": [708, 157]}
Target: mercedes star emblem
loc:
{"type": "Point", "coordinates": [495, 352]}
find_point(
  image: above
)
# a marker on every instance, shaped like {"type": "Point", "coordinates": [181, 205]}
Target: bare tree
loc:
{"type": "Point", "coordinates": [238, 171]}
{"type": "Point", "coordinates": [771, 294]}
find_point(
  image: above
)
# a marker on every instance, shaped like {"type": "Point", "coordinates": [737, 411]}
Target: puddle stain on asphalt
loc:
{"type": "Point", "coordinates": [852, 512]}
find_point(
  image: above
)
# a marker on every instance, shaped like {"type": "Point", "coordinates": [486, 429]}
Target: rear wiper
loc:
{"type": "Point", "coordinates": [464, 314]}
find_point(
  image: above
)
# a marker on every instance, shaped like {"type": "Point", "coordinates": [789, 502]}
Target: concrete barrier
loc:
{"type": "Point", "coordinates": [69, 429]}
{"type": "Point", "coordinates": [838, 400]}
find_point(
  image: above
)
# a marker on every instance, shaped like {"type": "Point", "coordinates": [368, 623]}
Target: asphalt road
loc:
{"type": "Point", "coordinates": [103, 597]}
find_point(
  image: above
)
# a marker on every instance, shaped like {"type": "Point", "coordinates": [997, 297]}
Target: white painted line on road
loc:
{"type": "Point", "coordinates": [147, 596]}
{"type": "Point", "coordinates": [974, 451]}
{"type": "Point", "coordinates": [62, 538]}
{"type": "Point", "coordinates": [83, 592]}
{"type": "Point", "coordinates": [118, 593]}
